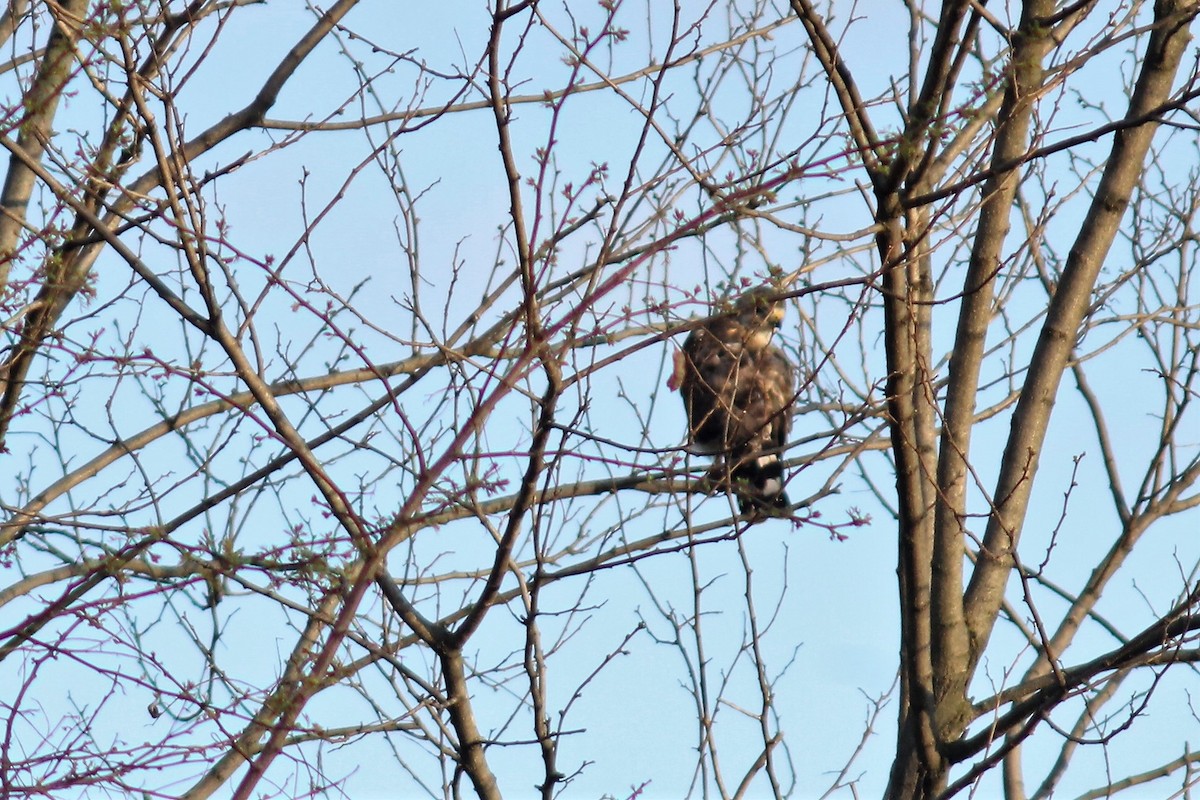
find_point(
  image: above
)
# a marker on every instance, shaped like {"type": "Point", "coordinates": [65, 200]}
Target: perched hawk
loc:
{"type": "Point", "coordinates": [738, 389]}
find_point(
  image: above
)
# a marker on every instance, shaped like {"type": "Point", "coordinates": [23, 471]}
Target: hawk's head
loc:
{"type": "Point", "coordinates": [759, 314]}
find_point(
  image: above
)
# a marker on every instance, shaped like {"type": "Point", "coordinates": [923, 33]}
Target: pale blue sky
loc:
{"type": "Point", "coordinates": [839, 614]}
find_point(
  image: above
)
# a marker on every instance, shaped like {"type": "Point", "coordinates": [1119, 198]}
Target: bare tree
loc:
{"type": "Point", "coordinates": [340, 458]}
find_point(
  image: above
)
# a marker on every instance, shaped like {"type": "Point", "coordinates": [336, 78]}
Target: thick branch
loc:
{"type": "Point", "coordinates": [40, 105]}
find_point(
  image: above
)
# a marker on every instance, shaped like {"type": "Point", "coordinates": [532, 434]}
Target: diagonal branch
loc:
{"type": "Point", "coordinates": [1165, 48]}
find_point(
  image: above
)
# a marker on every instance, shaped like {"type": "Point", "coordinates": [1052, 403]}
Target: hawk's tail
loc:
{"type": "Point", "coordinates": [758, 481]}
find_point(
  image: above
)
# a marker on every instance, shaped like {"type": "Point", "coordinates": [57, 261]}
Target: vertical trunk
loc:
{"type": "Point", "coordinates": [919, 768]}
{"type": "Point", "coordinates": [906, 334]}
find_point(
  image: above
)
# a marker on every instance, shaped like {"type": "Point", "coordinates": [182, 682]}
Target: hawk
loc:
{"type": "Point", "coordinates": [737, 389]}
